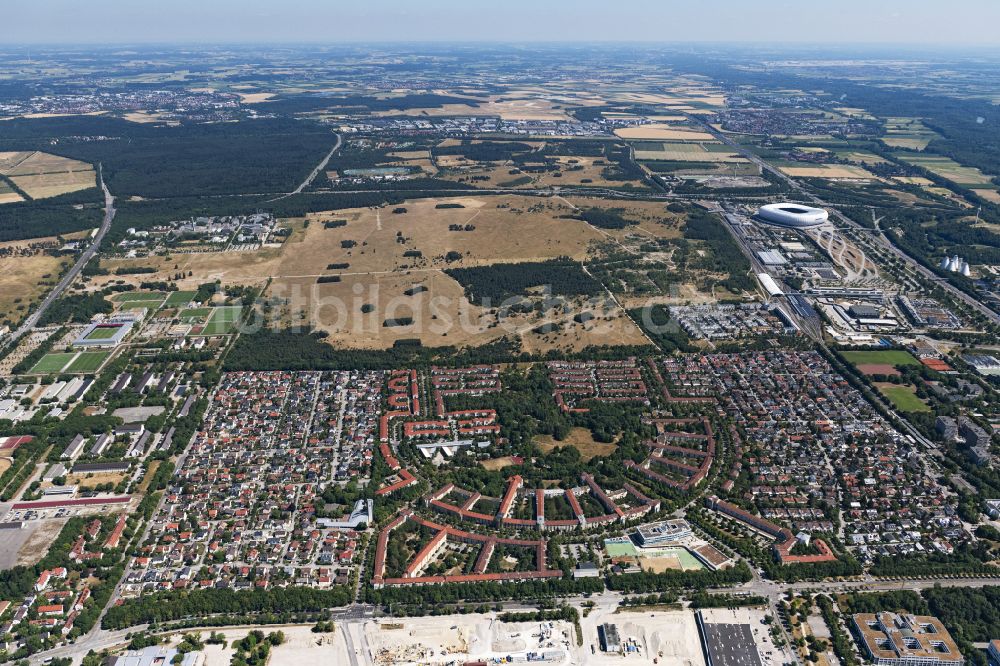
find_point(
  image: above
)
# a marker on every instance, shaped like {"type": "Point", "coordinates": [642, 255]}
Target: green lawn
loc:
{"type": "Point", "coordinates": [178, 298]}
{"type": "Point", "coordinates": [223, 320]}
{"type": "Point", "coordinates": [619, 549]}
{"type": "Point", "coordinates": [52, 363]}
{"type": "Point", "coordinates": [88, 361]}
{"type": "Point", "coordinates": [887, 356]}
{"type": "Point", "coordinates": [195, 315]}
{"type": "Point", "coordinates": [103, 333]}
{"type": "Point", "coordinates": [138, 296]}
{"type": "Point", "coordinates": [903, 398]}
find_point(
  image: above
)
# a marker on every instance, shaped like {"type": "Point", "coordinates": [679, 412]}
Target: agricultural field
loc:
{"type": "Point", "coordinates": [7, 193]}
{"type": "Point", "coordinates": [832, 171]}
{"type": "Point", "coordinates": [674, 151]}
{"type": "Point", "coordinates": [662, 131]}
{"type": "Point", "coordinates": [42, 175]}
{"type": "Point", "coordinates": [907, 133]}
{"type": "Point", "coordinates": [949, 169]}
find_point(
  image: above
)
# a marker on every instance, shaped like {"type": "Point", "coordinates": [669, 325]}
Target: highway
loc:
{"type": "Point", "coordinates": [88, 254]}
{"type": "Point", "coordinates": [315, 172]}
{"type": "Point", "coordinates": [882, 239]}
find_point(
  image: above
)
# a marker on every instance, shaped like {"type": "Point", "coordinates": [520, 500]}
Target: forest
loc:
{"type": "Point", "coordinates": [498, 282]}
{"type": "Point", "coordinates": [267, 155]}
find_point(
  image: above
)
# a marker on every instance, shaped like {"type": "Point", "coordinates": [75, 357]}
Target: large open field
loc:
{"type": "Point", "coordinates": [662, 131]}
{"type": "Point", "coordinates": [222, 320]}
{"type": "Point", "coordinates": [87, 362]}
{"type": "Point", "coordinates": [948, 169]}
{"type": "Point", "coordinates": [888, 357]}
{"type": "Point", "coordinates": [52, 363]}
{"type": "Point", "coordinates": [24, 279]}
{"type": "Point", "coordinates": [378, 254]}
{"type": "Point", "coordinates": [835, 171]}
{"type": "Point", "coordinates": [41, 175]}
{"type": "Point", "coordinates": [685, 152]}
{"type": "Point", "coordinates": [908, 133]}
{"type": "Point", "coordinates": [580, 439]}
{"type": "Point", "coordinates": [902, 397]}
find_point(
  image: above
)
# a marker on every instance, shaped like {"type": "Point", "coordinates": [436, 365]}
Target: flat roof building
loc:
{"type": "Point", "coordinates": [901, 639]}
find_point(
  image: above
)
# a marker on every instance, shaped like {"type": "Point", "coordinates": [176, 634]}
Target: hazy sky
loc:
{"type": "Point", "coordinates": [332, 21]}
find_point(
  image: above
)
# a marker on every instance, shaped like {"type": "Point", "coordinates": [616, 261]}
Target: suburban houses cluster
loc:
{"type": "Point", "coordinates": [243, 508]}
{"type": "Point", "coordinates": [605, 381]}
{"type": "Point", "coordinates": [819, 449]}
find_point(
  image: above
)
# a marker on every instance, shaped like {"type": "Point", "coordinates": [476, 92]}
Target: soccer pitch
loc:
{"type": "Point", "coordinates": [52, 363]}
{"type": "Point", "coordinates": [178, 298]}
{"type": "Point", "coordinates": [104, 333]}
{"type": "Point", "coordinates": [87, 362]}
{"type": "Point", "coordinates": [222, 320]}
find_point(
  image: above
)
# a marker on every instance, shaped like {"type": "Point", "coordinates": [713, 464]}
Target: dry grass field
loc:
{"type": "Point", "coordinates": [42, 175]}
{"type": "Point", "coordinates": [387, 254]}
{"type": "Point", "coordinates": [660, 131]}
{"type": "Point", "coordinates": [507, 107]}
{"type": "Point", "coordinates": [5, 464]}
{"type": "Point", "coordinates": [94, 479]}
{"type": "Point", "coordinates": [835, 171]}
{"type": "Point", "coordinates": [7, 195]}
{"type": "Point", "coordinates": [494, 464]}
{"type": "Point", "coordinates": [573, 172]}
{"type": "Point", "coordinates": [23, 279]}
{"type": "Point", "coordinates": [580, 439]}
{"type": "Point", "coordinates": [993, 196]}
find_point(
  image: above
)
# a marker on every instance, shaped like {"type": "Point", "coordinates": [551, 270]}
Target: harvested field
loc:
{"type": "Point", "coordinates": [827, 171]}
{"type": "Point", "coordinates": [662, 131]}
{"type": "Point", "coordinates": [580, 439]}
{"type": "Point", "coordinates": [993, 196]}
{"type": "Point", "coordinates": [43, 175]}
{"type": "Point", "coordinates": [42, 186]}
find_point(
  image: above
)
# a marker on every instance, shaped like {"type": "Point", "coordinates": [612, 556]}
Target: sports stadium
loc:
{"type": "Point", "coordinates": [792, 215]}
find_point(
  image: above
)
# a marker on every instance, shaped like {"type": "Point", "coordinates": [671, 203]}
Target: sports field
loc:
{"type": "Point", "coordinates": [903, 397]}
{"type": "Point", "coordinates": [87, 362]}
{"type": "Point", "coordinates": [888, 357]}
{"type": "Point", "coordinates": [139, 299]}
{"type": "Point", "coordinates": [223, 320]}
{"type": "Point", "coordinates": [103, 333]}
{"type": "Point", "coordinates": [52, 363]}
{"type": "Point", "coordinates": [178, 298]}
{"type": "Point", "coordinates": [619, 548]}
{"type": "Point", "coordinates": [195, 315]}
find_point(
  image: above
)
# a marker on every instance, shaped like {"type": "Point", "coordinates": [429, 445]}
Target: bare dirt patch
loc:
{"type": "Point", "coordinates": [580, 439]}
{"type": "Point", "coordinates": [39, 541]}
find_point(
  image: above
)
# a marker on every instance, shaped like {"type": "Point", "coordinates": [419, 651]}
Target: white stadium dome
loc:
{"type": "Point", "coordinates": [792, 215]}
